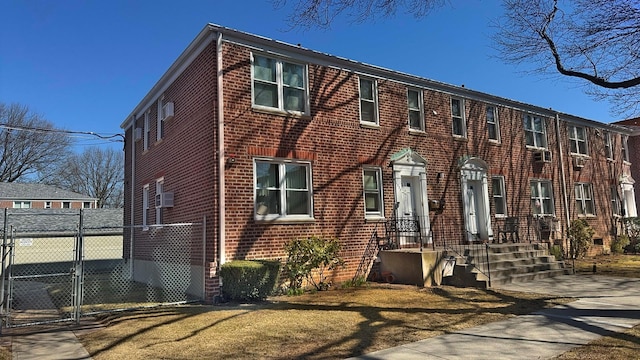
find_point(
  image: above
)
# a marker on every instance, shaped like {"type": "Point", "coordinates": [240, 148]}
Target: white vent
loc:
{"type": "Point", "coordinates": [137, 134]}
{"type": "Point", "coordinates": [164, 200]}
{"type": "Point", "coordinates": [542, 156]}
{"type": "Point", "coordinates": [167, 111]}
{"type": "Point", "coordinates": [579, 161]}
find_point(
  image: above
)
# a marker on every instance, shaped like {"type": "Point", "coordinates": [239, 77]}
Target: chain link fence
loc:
{"type": "Point", "coordinates": [64, 265]}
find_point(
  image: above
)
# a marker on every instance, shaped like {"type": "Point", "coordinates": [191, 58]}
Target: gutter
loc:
{"type": "Point", "coordinates": [132, 196]}
{"type": "Point", "coordinates": [221, 157]}
{"type": "Point", "coordinates": [563, 177]}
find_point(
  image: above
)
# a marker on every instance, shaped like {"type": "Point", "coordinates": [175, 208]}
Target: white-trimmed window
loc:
{"type": "Point", "coordinates": [47, 204]}
{"type": "Point", "coordinates": [625, 148]}
{"type": "Point", "coordinates": [66, 205]}
{"type": "Point", "coordinates": [368, 101]}
{"type": "Point", "coordinates": [459, 126]}
{"type": "Point", "coordinates": [160, 123]}
{"type": "Point", "coordinates": [416, 109]}
{"type": "Point", "coordinates": [22, 204]}
{"type": "Point", "coordinates": [145, 206]}
{"type": "Point", "coordinates": [146, 130]}
{"type": "Point", "coordinates": [608, 145]}
{"type": "Point", "coordinates": [541, 197]}
{"type": "Point", "coordinates": [372, 187]}
{"type": "Point", "coordinates": [534, 131]}
{"type": "Point", "coordinates": [493, 126]}
{"type": "Point", "coordinates": [577, 140]}
{"type": "Point", "coordinates": [86, 205]}
{"type": "Point", "coordinates": [279, 85]}
{"type": "Point", "coordinates": [283, 190]}
{"type": "Point", "coordinates": [584, 199]}
{"type": "Point", "coordinates": [159, 190]}
{"type": "Point", "coordinates": [616, 205]}
{"type": "Point", "coordinates": [499, 197]}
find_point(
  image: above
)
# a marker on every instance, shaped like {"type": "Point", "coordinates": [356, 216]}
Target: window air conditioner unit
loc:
{"type": "Point", "coordinates": [167, 111]}
{"type": "Point", "coordinates": [579, 161]}
{"type": "Point", "coordinates": [137, 134]}
{"type": "Point", "coordinates": [542, 156]}
{"type": "Point", "coordinates": [164, 200]}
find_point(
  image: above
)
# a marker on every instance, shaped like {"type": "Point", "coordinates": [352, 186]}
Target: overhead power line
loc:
{"type": "Point", "coordinates": [70, 132]}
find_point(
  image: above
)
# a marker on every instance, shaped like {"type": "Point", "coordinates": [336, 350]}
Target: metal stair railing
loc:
{"type": "Point", "coordinates": [370, 253]}
{"type": "Point", "coordinates": [471, 252]}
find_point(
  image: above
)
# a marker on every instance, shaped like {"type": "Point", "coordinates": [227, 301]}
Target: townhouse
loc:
{"type": "Point", "coordinates": [266, 142]}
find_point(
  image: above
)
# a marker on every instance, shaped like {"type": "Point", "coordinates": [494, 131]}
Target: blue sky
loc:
{"type": "Point", "coordinates": [84, 65]}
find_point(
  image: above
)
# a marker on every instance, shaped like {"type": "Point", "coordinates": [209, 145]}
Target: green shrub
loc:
{"type": "Point", "coordinates": [355, 282]}
{"type": "Point", "coordinates": [249, 279]}
{"type": "Point", "coordinates": [308, 259]}
{"type": "Point", "coordinates": [556, 250]}
{"type": "Point", "coordinates": [619, 244]}
{"type": "Point", "coordinates": [581, 236]}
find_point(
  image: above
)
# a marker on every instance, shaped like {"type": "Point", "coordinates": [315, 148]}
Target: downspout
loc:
{"type": "Point", "coordinates": [221, 157]}
{"type": "Point", "coordinates": [562, 174]}
{"type": "Point", "coordinates": [132, 197]}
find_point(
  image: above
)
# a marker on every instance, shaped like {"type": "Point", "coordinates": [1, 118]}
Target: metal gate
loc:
{"type": "Point", "coordinates": [60, 266]}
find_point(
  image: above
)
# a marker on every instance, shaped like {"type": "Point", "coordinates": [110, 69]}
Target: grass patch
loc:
{"type": "Point", "coordinates": [611, 265]}
{"type": "Point", "coordinates": [621, 346]}
{"type": "Point", "coordinates": [332, 324]}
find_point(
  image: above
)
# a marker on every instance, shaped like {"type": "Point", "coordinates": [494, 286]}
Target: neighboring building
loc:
{"type": "Point", "coordinates": [270, 142]}
{"type": "Point", "coordinates": [633, 146]}
{"type": "Point", "coordinates": [40, 196]}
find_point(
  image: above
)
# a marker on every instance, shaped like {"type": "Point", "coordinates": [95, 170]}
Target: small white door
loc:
{"type": "Point", "coordinates": [408, 206]}
{"type": "Point", "coordinates": [472, 214]}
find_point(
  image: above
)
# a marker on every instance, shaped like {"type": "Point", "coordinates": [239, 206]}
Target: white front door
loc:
{"type": "Point", "coordinates": [472, 211]}
{"type": "Point", "coordinates": [407, 205]}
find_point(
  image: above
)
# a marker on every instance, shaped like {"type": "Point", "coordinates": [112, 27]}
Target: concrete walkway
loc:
{"type": "Point", "coordinates": [606, 305]}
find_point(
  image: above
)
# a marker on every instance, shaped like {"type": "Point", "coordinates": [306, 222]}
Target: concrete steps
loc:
{"type": "Point", "coordinates": [508, 263]}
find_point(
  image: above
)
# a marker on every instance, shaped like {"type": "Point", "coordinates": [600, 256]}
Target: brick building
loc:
{"type": "Point", "coordinates": [40, 196]}
{"type": "Point", "coordinates": [270, 142]}
{"type": "Point", "coordinates": [633, 145]}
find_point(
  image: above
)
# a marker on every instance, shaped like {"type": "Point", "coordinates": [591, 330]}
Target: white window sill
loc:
{"type": "Point", "coordinates": [278, 112]}
{"type": "Point", "coordinates": [369, 125]}
{"type": "Point", "coordinates": [417, 132]}
{"type": "Point", "coordinates": [374, 218]}
{"type": "Point", "coordinates": [285, 220]}
{"type": "Point", "coordinates": [501, 216]}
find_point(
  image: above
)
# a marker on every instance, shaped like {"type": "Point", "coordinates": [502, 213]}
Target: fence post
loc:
{"type": "Point", "coordinates": [78, 270]}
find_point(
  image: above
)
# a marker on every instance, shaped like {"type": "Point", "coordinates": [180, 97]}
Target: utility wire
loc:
{"type": "Point", "coordinates": [70, 132]}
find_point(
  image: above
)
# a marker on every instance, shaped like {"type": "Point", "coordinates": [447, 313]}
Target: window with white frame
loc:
{"type": "Point", "coordinates": [541, 197]}
{"type": "Point", "coordinates": [493, 126]}
{"type": "Point", "coordinates": [368, 101]}
{"type": "Point", "coordinates": [86, 205]}
{"type": "Point", "coordinates": [160, 124]}
{"type": "Point", "coordinates": [616, 206]}
{"type": "Point", "coordinates": [459, 127]}
{"type": "Point", "coordinates": [534, 131]}
{"type": "Point", "coordinates": [66, 205]}
{"type": "Point", "coordinates": [283, 189]}
{"type": "Point", "coordinates": [577, 140]}
{"type": "Point", "coordinates": [22, 204]}
{"type": "Point", "coordinates": [159, 190]}
{"type": "Point", "coordinates": [372, 185]}
{"type": "Point", "coordinates": [47, 204]}
{"type": "Point", "coordinates": [608, 145]}
{"type": "Point", "coordinates": [146, 130]}
{"type": "Point", "coordinates": [625, 148]}
{"type": "Point", "coordinates": [584, 199]}
{"type": "Point", "coordinates": [279, 85]}
{"type": "Point", "coordinates": [416, 109]}
{"type": "Point", "coordinates": [145, 205]}
{"type": "Point", "coordinates": [499, 198]}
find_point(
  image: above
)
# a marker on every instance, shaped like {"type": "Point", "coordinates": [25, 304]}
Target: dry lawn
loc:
{"type": "Point", "coordinates": [324, 325]}
{"type": "Point", "coordinates": [621, 346]}
{"type": "Point", "coordinates": [612, 265]}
